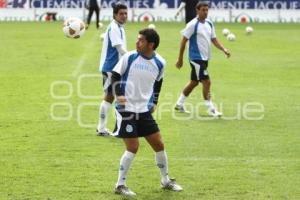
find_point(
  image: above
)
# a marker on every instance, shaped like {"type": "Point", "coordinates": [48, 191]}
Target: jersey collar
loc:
{"type": "Point", "coordinates": [153, 55]}
{"type": "Point", "coordinates": [120, 25]}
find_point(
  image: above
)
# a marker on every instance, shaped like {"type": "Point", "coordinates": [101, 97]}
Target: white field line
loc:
{"type": "Point", "coordinates": [84, 56]}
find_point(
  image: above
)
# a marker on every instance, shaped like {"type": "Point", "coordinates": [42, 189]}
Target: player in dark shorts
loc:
{"type": "Point", "coordinates": [93, 6]}
{"type": "Point", "coordinates": [190, 9]}
{"type": "Point", "coordinates": [200, 32]}
{"type": "Point", "coordinates": [113, 47]}
{"type": "Point", "coordinates": [136, 81]}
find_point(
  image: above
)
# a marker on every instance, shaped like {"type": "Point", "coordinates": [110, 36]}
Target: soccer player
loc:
{"type": "Point", "coordinates": [114, 46]}
{"type": "Point", "coordinates": [190, 9]}
{"type": "Point", "coordinates": [137, 79]}
{"type": "Point", "coordinates": [93, 6]}
{"type": "Point", "coordinates": [200, 32]}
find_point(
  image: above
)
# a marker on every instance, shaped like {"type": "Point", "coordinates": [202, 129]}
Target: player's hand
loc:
{"type": "Point", "coordinates": [179, 63]}
{"type": "Point", "coordinates": [227, 53]}
{"type": "Point", "coordinates": [121, 100]}
{"type": "Point", "coordinates": [153, 108]}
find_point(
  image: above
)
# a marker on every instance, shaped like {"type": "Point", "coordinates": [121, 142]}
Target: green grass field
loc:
{"type": "Point", "coordinates": [43, 158]}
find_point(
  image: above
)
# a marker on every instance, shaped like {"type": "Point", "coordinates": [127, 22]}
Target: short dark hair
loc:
{"type": "Point", "coordinates": [151, 36]}
{"type": "Point", "coordinates": [202, 4]}
{"type": "Point", "coordinates": [117, 7]}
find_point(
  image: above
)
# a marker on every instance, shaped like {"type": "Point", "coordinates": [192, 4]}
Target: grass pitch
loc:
{"type": "Point", "coordinates": [49, 97]}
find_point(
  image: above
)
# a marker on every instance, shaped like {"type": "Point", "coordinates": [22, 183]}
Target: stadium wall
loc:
{"type": "Point", "coordinates": [154, 10]}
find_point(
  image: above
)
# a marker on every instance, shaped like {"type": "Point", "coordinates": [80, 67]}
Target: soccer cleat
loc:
{"type": "Point", "coordinates": [172, 185]}
{"type": "Point", "coordinates": [181, 109]}
{"type": "Point", "coordinates": [105, 132]}
{"type": "Point", "coordinates": [123, 190]}
{"type": "Point", "coordinates": [214, 113]}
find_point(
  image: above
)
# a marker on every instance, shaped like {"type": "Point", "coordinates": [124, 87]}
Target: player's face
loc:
{"type": "Point", "coordinates": [121, 16]}
{"type": "Point", "coordinates": [142, 46]}
{"type": "Point", "coordinates": [202, 12]}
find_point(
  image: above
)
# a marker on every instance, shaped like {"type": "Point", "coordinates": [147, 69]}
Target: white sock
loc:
{"type": "Point", "coordinates": [125, 163]}
{"type": "Point", "coordinates": [162, 163]}
{"type": "Point", "coordinates": [104, 108]}
{"type": "Point", "coordinates": [209, 104]}
{"type": "Point", "coordinates": [181, 100]}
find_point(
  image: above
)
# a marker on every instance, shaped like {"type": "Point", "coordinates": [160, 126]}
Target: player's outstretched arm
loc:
{"type": "Point", "coordinates": [121, 49]}
{"type": "Point", "coordinates": [181, 52]}
{"type": "Point", "coordinates": [217, 44]}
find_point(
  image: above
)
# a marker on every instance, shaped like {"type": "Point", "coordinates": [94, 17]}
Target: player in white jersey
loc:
{"type": "Point", "coordinates": [200, 33]}
{"type": "Point", "coordinates": [137, 80]}
{"type": "Point", "coordinates": [114, 46]}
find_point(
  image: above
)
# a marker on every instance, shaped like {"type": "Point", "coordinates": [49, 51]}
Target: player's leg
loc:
{"type": "Point", "coordinates": [132, 145]}
{"type": "Point", "coordinates": [157, 145]}
{"type": "Point", "coordinates": [105, 105]}
{"type": "Point", "coordinates": [126, 129]}
{"type": "Point", "coordinates": [161, 159]}
{"type": "Point", "coordinates": [97, 17]}
{"type": "Point", "coordinates": [185, 93]}
{"type": "Point", "coordinates": [148, 128]}
{"type": "Point", "coordinates": [189, 87]}
{"type": "Point", "coordinates": [206, 89]}
{"type": "Point", "coordinates": [206, 83]}
{"type": "Point", "coordinates": [89, 17]}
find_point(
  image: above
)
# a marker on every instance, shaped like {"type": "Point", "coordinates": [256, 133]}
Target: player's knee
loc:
{"type": "Point", "coordinates": [133, 148]}
{"type": "Point", "coordinates": [159, 146]}
{"type": "Point", "coordinates": [194, 84]}
{"type": "Point", "coordinates": [206, 83]}
{"type": "Point", "coordinates": [162, 146]}
{"type": "Point", "coordinates": [109, 98]}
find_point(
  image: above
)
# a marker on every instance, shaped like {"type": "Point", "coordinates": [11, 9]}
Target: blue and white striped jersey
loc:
{"type": "Point", "coordinates": [200, 36]}
{"type": "Point", "coordinates": [114, 35]}
{"type": "Point", "coordinates": [138, 75]}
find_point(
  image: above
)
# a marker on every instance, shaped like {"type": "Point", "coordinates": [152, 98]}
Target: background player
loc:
{"type": "Point", "coordinates": [200, 32]}
{"type": "Point", "coordinates": [93, 6]}
{"type": "Point", "coordinates": [114, 46]}
{"type": "Point", "coordinates": [190, 9]}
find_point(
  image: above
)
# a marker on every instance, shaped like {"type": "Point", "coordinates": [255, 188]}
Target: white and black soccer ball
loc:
{"type": "Point", "coordinates": [249, 30]}
{"type": "Point", "coordinates": [102, 36]}
{"type": "Point", "coordinates": [231, 37]}
{"type": "Point", "coordinates": [151, 26]}
{"type": "Point", "coordinates": [225, 32]}
{"type": "Point", "coordinates": [101, 25]}
{"type": "Point", "coordinates": [74, 28]}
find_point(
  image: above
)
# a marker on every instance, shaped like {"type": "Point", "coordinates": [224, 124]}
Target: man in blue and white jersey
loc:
{"type": "Point", "coordinates": [137, 80]}
{"type": "Point", "coordinates": [114, 46]}
{"type": "Point", "coordinates": [200, 33]}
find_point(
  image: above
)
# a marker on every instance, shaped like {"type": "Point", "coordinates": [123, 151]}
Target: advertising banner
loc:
{"type": "Point", "coordinates": [155, 4]}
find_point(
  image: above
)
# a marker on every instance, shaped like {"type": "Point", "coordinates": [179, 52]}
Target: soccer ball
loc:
{"type": "Point", "coordinates": [225, 31]}
{"type": "Point", "coordinates": [249, 30]}
{"type": "Point", "coordinates": [74, 28]}
{"type": "Point", "coordinates": [151, 26]}
{"type": "Point", "coordinates": [231, 37]}
{"type": "Point", "coordinates": [102, 36]}
{"type": "Point", "coordinates": [100, 25]}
